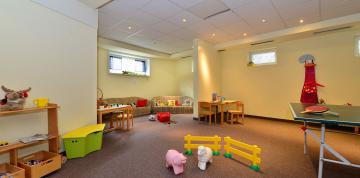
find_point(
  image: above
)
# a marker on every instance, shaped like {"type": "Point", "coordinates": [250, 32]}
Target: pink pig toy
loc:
{"type": "Point", "coordinates": [176, 160]}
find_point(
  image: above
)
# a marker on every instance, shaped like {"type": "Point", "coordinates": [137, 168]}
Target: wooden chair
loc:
{"type": "Point", "coordinates": [236, 113]}
{"type": "Point", "coordinates": [128, 114]}
{"type": "Point", "coordinates": [113, 117]}
{"type": "Point", "coordinates": [204, 109]}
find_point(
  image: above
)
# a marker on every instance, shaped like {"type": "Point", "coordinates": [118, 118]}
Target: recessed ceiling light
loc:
{"type": "Point", "coordinates": [301, 21]}
{"type": "Point", "coordinates": [263, 20]}
{"type": "Point", "coordinates": [129, 27]}
{"type": "Point", "coordinates": [183, 20]}
{"type": "Point", "coordinates": [244, 34]}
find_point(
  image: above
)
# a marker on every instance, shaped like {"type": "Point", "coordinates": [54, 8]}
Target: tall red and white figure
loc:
{"type": "Point", "coordinates": [309, 90]}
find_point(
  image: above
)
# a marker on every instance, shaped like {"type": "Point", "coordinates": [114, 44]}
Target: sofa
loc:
{"type": "Point", "coordinates": [183, 104]}
{"type": "Point", "coordinates": [138, 111]}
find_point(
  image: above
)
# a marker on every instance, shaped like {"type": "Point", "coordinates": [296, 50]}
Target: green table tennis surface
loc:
{"type": "Point", "coordinates": [348, 115]}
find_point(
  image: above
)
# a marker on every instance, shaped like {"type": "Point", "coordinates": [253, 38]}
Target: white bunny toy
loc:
{"type": "Point", "coordinates": [204, 156]}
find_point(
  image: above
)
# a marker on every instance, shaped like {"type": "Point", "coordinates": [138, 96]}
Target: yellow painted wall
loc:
{"type": "Point", "coordinates": [267, 90]}
{"type": "Point", "coordinates": [207, 73]}
{"type": "Point", "coordinates": [185, 76]}
{"type": "Point", "coordinates": [56, 56]}
{"type": "Point", "coordinates": [162, 81]}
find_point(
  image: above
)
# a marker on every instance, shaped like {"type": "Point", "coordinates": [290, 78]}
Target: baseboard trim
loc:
{"type": "Point", "coordinates": [272, 118]}
{"type": "Point", "coordinates": [333, 128]}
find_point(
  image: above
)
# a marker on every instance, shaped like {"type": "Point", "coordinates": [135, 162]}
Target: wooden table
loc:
{"type": "Point", "coordinates": [101, 112]}
{"type": "Point", "coordinates": [220, 105]}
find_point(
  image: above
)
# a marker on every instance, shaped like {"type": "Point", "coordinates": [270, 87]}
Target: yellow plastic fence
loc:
{"type": "Point", "coordinates": [253, 156]}
{"type": "Point", "coordinates": [214, 143]}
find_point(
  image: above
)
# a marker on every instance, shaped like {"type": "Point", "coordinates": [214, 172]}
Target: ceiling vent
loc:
{"type": "Point", "coordinates": [332, 30]}
{"type": "Point", "coordinates": [263, 42]}
{"type": "Point", "coordinates": [186, 57]}
{"type": "Point", "coordinates": [216, 13]}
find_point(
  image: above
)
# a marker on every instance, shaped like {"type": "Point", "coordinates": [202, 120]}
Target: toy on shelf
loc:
{"type": "Point", "coordinates": [204, 156]}
{"type": "Point", "coordinates": [41, 102]}
{"type": "Point", "coordinates": [253, 156]}
{"type": "Point", "coordinates": [214, 145]}
{"type": "Point", "coordinates": [14, 100]}
{"type": "Point", "coordinates": [4, 143]}
{"type": "Point", "coordinates": [175, 160]}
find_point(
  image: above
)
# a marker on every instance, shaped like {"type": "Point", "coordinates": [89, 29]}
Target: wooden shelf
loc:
{"type": "Point", "coordinates": [20, 145]}
{"type": "Point", "coordinates": [29, 110]}
{"type": "Point", "coordinates": [53, 132]}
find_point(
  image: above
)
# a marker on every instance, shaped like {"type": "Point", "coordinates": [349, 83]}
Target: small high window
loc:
{"type": "Point", "coordinates": [263, 57]}
{"type": "Point", "coordinates": [357, 46]}
{"type": "Point", "coordinates": [128, 65]}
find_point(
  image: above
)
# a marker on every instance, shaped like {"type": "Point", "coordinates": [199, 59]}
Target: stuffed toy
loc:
{"type": "Point", "coordinates": [204, 156]}
{"type": "Point", "coordinates": [175, 160]}
{"type": "Point", "coordinates": [14, 100]}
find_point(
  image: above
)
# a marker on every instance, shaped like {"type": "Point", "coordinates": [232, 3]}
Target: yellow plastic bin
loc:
{"type": "Point", "coordinates": [83, 141]}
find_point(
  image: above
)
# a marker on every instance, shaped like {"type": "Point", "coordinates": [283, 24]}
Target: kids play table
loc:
{"type": "Point", "coordinates": [102, 111]}
{"type": "Point", "coordinates": [347, 115]}
{"type": "Point", "coordinates": [222, 104]}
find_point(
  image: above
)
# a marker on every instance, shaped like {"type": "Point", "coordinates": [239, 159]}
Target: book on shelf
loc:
{"type": "Point", "coordinates": [34, 138]}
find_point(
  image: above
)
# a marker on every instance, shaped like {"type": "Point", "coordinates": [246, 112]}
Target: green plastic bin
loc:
{"type": "Point", "coordinates": [82, 141]}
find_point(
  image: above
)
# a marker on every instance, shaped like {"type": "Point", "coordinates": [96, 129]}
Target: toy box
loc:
{"type": "Point", "coordinates": [83, 141]}
{"type": "Point", "coordinates": [40, 164]}
{"type": "Point", "coordinates": [7, 171]}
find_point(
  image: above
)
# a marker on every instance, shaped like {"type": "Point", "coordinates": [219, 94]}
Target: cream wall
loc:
{"type": "Point", "coordinates": [162, 81]}
{"type": "Point", "coordinates": [207, 73]}
{"type": "Point", "coordinates": [185, 76]}
{"type": "Point", "coordinates": [267, 90]}
{"type": "Point", "coordinates": [56, 56]}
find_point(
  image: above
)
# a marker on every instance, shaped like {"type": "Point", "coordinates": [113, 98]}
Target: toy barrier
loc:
{"type": "Point", "coordinates": [253, 157]}
{"type": "Point", "coordinates": [215, 146]}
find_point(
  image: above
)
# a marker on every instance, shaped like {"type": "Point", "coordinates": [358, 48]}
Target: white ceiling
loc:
{"type": "Point", "coordinates": [158, 24]}
{"type": "Point", "coordinates": [94, 3]}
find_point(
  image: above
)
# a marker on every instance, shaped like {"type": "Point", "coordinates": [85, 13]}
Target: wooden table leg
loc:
{"type": "Point", "coordinates": [127, 123]}
{"type": "Point", "coordinates": [100, 118]}
{"type": "Point", "coordinates": [222, 113]}
{"type": "Point", "coordinates": [122, 121]}
{"type": "Point", "coordinates": [357, 130]}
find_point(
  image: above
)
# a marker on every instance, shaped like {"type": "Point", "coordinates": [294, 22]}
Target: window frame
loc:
{"type": "Point", "coordinates": [251, 53]}
{"type": "Point", "coordinates": [146, 62]}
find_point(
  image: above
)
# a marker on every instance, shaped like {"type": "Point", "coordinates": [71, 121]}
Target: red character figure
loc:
{"type": "Point", "coordinates": [309, 90]}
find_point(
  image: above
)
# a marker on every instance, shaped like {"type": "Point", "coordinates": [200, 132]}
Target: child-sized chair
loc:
{"type": "Point", "coordinates": [126, 114]}
{"type": "Point", "coordinates": [204, 109]}
{"type": "Point", "coordinates": [236, 113]}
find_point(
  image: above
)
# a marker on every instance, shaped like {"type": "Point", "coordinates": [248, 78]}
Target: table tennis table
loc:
{"type": "Point", "coordinates": [348, 115]}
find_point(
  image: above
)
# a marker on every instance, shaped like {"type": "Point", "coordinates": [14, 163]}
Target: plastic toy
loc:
{"type": "Point", "coordinates": [253, 156]}
{"type": "Point", "coordinates": [204, 156]}
{"type": "Point", "coordinates": [83, 141]}
{"type": "Point", "coordinates": [214, 145]}
{"type": "Point", "coordinates": [14, 100]}
{"type": "Point", "coordinates": [4, 143]}
{"type": "Point", "coordinates": [175, 160]}
{"type": "Point", "coordinates": [152, 118]}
